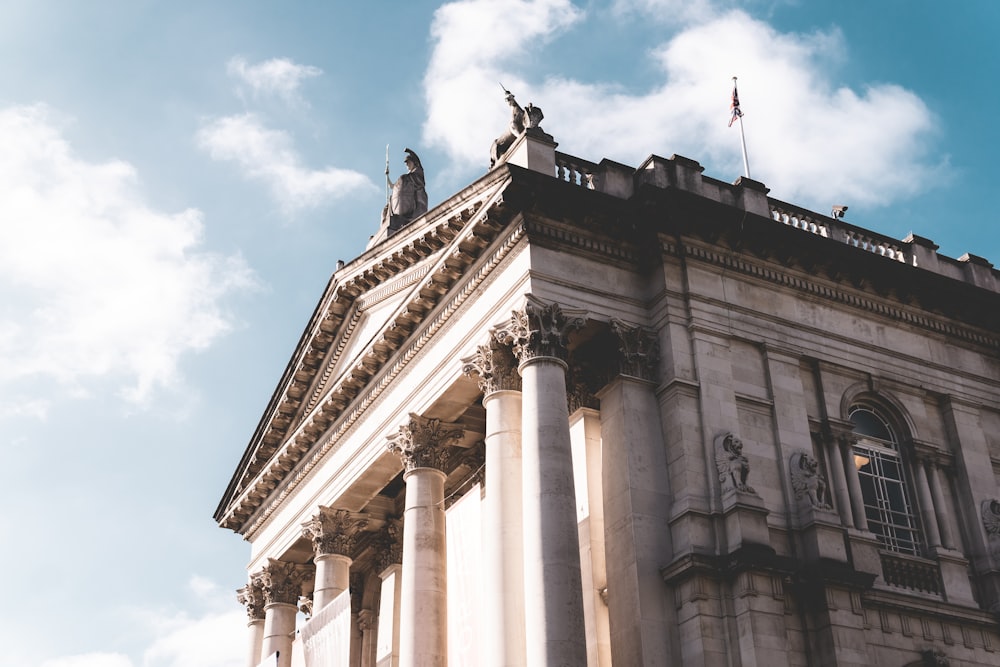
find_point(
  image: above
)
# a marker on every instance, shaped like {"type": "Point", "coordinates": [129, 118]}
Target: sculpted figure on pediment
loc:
{"type": "Point", "coordinates": [408, 198]}
{"type": "Point", "coordinates": [732, 464]}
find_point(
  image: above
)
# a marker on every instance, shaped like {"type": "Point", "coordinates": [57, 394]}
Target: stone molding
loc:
{"type": "Point", "coordinates": [494, 367]}
{"type": "Point", "coordinates": [540, 329]}
{"type": "Point", "coordinates": [251, 596]}
{"type": "Point", "coordinates": [281, 581]}
{"type": "Point", "coordinates": [334, 531]}
{"type": "Point", "coordinates": [422, 442]}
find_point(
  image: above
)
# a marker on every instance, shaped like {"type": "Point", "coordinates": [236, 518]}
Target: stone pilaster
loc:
{"type": "Point", "coordinates": [252, 597]}
{"type": "Point", "coordinates": [334, 533]}
{"type": "Point", "coordinates": [555, 631]}
{"type": "Point", "coordinates": [422, 445]}
{"type": "Point", "coordinates": [636, 502]}
{"type": "Point", "coordinates": [281, 583]}
{"type": "Point", "coordinates": [496, 369]}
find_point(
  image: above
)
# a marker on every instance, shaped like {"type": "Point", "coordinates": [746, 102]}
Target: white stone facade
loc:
{"type": "Point", "coordinates": [702, 426]}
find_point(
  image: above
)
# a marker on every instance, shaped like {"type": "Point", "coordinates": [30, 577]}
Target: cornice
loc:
{"type": "Point", "coordinates": [882, 307]}
{"type": "Point", "coordinates": [360, 385]}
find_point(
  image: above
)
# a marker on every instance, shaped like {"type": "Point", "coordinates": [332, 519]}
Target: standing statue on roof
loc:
{"type": "Point", "coordinates": [516, 127]}
{"type": "Point", "coordinates": [408, 198]}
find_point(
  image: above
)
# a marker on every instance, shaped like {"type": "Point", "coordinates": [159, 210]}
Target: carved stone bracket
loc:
{"type": "Point", "coordinates": [540, 329]}
{"type": "Point", "coordinates": [807, 482]}
{"type": "Point", "coordinates": [494, 366]}
{"type": "Point", "coordinates": [990, 513]}
{"type": "Point", "coordinates": [732, 464]}
{"type": "Point", "coordinates": [334, 531]}
{"type": "Point", "coordinates": [282, 582]}
{"type": "Point", "coordinates": [422, 442]}
{"type": "Point", "coordinates": [252, 597]}
{"type": "Point", "coordinates": [639, 348]}
{"type": "Point", "coordinates": [388, 544]}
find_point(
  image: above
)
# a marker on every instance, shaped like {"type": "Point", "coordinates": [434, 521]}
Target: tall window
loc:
{"type": "Point", "coordinates": [883, 481]}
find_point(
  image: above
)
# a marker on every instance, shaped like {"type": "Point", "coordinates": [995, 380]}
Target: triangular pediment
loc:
{"type": "Point", "coordinates": [369, 310]}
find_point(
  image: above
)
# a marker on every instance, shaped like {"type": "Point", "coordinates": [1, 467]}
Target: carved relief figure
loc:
{"type": "Point", "coordinates": [733, 466]}
{"type": "Point", "coordinates": [990, 510]}
{"type": "Point", "coordinates": [514, 130]}
{"type": "Point", "coordinates": [806, 480]}
{"type": "Point", "coordinates": [408, 200]}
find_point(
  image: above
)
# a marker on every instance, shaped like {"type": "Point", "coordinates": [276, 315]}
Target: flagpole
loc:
{"type": "Point", "coordinates": [743, 140]}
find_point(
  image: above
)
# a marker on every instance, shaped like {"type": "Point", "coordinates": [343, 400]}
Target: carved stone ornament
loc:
{"type": "Point", "coordinates": [306, 606]}
{"type": "Point", "coordinates": [639, 348]}
{"type": "Point", "coordinates": [581, 380]}
{"type": "Point", "coordinates": [334, 531]}
{"type": "Point", "coordinates": [540, 330]}
{"type": "Point", "coordinates": [990, 509]}
{"type": "Point", "coordinates": [282, 581]}
{"type": "Point", "coordinates": [251, 596]}
{"type": "Point", "coordinates": [388, 545]}
{"type": "Point", "coordinates": [422, 442]}
{"type": "Point", "coordinates": [807, 483]}
{"type": "Point", "coordinates": [494, 366]}
{"type": "Point", "coordinates": [733, 466]}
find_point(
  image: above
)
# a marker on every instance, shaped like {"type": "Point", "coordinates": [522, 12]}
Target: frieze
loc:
{"type": "Point", "coordinates": [422, 442]}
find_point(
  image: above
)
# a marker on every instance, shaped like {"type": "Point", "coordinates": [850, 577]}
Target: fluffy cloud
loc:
{"type": "Point", "coordinates": [267, 156]}
{"type": "Point", "coordinates": [810, 139]}
{"type": "Point", "coordinates": [278, 76]}
{"type": "Point", "coordinates": [94, 283]}
{"type": "Point", "coordinates": [91, 660]}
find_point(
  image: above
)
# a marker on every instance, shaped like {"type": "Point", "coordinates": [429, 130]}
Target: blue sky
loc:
{"type": "Point", "coordinates": [178, 180]}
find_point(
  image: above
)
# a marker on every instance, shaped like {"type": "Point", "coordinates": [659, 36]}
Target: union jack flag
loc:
{"type": "Point", "coordinates": [735, 108]}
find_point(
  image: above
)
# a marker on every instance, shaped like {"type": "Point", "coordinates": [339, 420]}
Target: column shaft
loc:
{"type": "Point", "coordinates": [555, 632]}
{"type": "Point", "coordinates": [944, 522]}
{"type": "Point", "coordinates": [256, 643]}
{"type": "Point", "coordinates": [333, 577]}
{"type": "Point", "coordinates": [423, 639]}
{"type": "Point", "coordinates": [840, 484]}
{"type": "Point", "coordinates": [279, 630]}
{"type": "Point", "coordinates": [854, 484]}
{"type": "Point", "coordinates": [502, 535]}
{"type": "Point", "coordinates": [927, 507]}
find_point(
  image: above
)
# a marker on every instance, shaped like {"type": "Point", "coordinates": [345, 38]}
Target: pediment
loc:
{"type": "Point", "coordinates": [369, 311]}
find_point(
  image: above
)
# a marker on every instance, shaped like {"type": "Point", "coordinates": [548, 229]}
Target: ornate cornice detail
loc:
{"type": "Point", "coordinates": [494, 367]}
{"type": "Point", "coordinates": [251, 596]}
{"type": "Point", "coordinates": [334, 531]}
{"type": "Point", "coordinates": [639, 350]}
{"type": "Point", "coordinates": [282, 581]}
{"type": "Point", "coordinates": [422, 442]}
{"type": "Point", "coordinates": [540, 329]}
{"type": "Point", "coordinates": [388, 544]}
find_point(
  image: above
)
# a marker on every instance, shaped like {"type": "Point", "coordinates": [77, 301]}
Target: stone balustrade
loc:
{"type": "Point", "coordinates": [575, 170]}
{"type": "Point", "coordinates": [911, 573]}
{"type": "Point", "coordinates": [801, 221]}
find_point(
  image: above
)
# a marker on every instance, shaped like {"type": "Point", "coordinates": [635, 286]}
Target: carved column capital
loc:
{"type": "Point", "coordinates": [388, 545]}
{"type": "Point", "coordinates": [334, 531]}
{"type": "Point", "coordinates": [421, 442]}
{"type": "Point", "coordinates": [494, 366]}
{"type": "Point", "coordinates": [251, 596]}
{"type": "Point", "coordinates": [639, 350]}
{"type": "Point", "coordinates": [540, 329]}
{"type": "Point", "coordinates": [281, 581]}
{"type": "Point", "coordinates": [582, 380]}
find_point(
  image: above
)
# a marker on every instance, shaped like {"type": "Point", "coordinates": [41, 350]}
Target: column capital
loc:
{"type": "Point", "coordinates": [388, 544]}
{"type": "Point", "coordinates": [494, 366]}
{"type": "Point", "coordinates": [540, 329]}
{"type": "Point", "coordinates": [334, 531]}
{"type": "Point", "coordinates": [251, 596]}
{"type": "Point", "coordinates": [639, 350]}
{"type": "Point", "coordinates": [281, 581]}
{"type": "Point", "coordinates": [421, 442]}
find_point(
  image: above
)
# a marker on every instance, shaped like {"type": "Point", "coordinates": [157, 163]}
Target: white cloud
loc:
{"type": "Point", "coordinates": [278, 76]}
{"type": "Point", "coordinates": [809, 139]}
{"type": "Point", "coordinates": [94, 283]}
{"type": "Point", "coordinates": [267, 156]}
{"type": "Point", "coordinates": [90, 660]}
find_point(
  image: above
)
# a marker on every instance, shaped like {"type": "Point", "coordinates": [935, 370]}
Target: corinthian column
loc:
{"type": "Point", "coordinates": [554, 626]}
{"type": "Point", "coordinates": [496, 369]}
{"type": "Point", "coordinates": [252, 597]}
{"type": "Point", "coordinates": [281, 583]}
{"type": "Point", "coordinates": [421, 443]}
{"type": "Point", "coordinates": [334, 533]}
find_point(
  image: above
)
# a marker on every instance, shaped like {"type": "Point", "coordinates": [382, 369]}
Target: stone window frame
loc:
{"type": "Point", "coordinates": [886, 480]}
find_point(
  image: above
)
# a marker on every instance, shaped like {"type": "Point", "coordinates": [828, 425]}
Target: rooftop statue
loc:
{"type": "Point", "coordinates": [408, 198]}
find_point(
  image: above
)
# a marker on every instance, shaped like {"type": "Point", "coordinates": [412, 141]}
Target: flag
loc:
{"type": "Point", "coordinates": [735, 108]}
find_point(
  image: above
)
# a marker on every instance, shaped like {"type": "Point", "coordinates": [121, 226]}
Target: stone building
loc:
{"type": "Point", "coordinates": [590, 414]}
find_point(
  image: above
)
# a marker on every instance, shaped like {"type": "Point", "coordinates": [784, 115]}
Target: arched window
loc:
{"type": "Point", "coordinates": [883, 478]}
